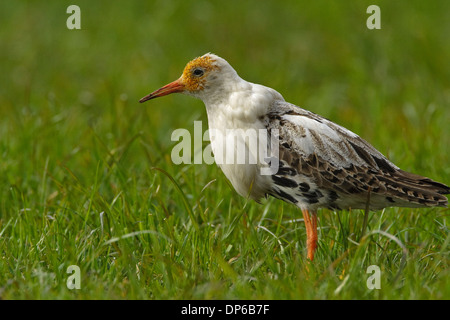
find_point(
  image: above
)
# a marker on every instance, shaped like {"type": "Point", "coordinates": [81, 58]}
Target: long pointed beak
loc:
{"type": "Point", "coordinates": [175, 86]}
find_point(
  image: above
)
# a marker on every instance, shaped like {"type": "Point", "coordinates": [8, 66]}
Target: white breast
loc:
{"type": "Point", "coordinates": [234, 127]}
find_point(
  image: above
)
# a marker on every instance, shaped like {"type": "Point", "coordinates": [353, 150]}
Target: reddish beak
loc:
{"type": "Point", "coordinates": [176, 86]}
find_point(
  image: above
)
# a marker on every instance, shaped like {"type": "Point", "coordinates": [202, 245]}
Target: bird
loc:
{"type": "Point", "coordinates": [319, 163]}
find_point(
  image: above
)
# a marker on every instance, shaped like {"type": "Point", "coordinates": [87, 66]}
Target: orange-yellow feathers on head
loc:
{"type": "Point", "coordinates": [199, 74]}
{"type": "Point", "coordinates": [194, 74]}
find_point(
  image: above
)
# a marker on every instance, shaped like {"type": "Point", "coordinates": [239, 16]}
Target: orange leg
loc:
{"type": "Point", "coordinates": [311, 232]}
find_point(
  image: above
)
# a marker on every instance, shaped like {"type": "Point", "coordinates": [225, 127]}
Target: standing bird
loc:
{"type": "Point", "coordinates": [320, 164]}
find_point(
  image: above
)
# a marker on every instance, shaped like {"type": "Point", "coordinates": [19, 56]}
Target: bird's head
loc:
{"type": "Point", "coordinates": [200, 76]}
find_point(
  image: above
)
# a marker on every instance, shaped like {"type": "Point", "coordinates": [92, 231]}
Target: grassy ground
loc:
{"type": "Point", "coordinates": [86, 177]}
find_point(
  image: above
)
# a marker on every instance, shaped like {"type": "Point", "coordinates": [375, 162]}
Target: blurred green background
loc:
{"type": "Point", "coordinates": [74, 137]}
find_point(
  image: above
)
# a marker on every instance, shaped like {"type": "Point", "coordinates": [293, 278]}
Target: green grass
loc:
{"type": "Point", "coordinates": [86, 177]}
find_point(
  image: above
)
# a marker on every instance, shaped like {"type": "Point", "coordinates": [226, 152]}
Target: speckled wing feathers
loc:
{"type": "Point", "coordinates": [322, 164]}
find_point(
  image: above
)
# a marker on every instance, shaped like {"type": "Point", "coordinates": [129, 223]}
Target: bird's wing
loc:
{"type": "Point", "coordinates": [314, 149]}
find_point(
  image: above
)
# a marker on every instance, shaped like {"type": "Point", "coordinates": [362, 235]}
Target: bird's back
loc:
{"type": "Point", "coordinates": [325, 165]}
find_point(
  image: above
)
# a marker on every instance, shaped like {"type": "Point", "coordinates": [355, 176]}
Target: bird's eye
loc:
{"type": "Point", "coordinates": [198, 72]}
